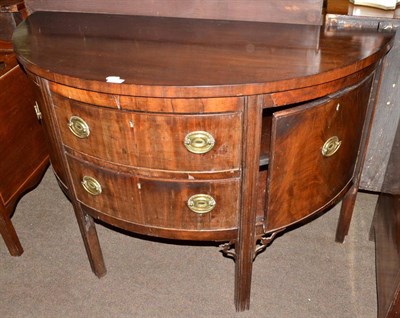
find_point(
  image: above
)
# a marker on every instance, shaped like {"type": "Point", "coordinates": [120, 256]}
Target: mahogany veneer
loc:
{"type": "Point", "coordinates": [220, 130]}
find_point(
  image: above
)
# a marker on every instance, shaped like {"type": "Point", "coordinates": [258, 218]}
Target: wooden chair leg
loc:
{"type": "Point", "coordinates": [346, 213]}
{"type": "Point", "coordinates": [91, 241]}
{"type": "Point", "coordinates": [8, 233]}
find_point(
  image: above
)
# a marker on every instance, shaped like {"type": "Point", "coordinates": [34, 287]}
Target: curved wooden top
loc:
{"type": "Point", "coordinates": [173, 57]}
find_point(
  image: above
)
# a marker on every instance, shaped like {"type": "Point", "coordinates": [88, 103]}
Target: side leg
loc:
{"type": "Point", "coordinates": [8, 233]}
{"type": "Point", "coordinates": [91, 241]}
{"type": "Point", "coordinates": [346, 212]}
{"type": "Point", "coordinates": [349, 199]}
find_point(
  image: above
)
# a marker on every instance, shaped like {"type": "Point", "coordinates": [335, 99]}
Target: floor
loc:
{"type": "Point", "coordinates": [304, 273]}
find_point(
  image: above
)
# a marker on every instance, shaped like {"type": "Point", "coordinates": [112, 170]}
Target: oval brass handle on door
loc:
{"type": "Point", "coordinates": [331, 146]}
{"type": "Point", "coordinates": [201, 203]}
{"type": "Point", "coordinates": [199, 142]}
{"type": "Point", "coordinates": [79, 127]}
{"type": "Point", "coordinates": [91, 185]}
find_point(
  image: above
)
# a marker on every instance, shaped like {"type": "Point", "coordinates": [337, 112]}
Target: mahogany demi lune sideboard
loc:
{"type": "Point", "coordinates": [204, 130]}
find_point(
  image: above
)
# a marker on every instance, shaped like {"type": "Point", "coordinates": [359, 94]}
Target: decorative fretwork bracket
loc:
{"type": "Point", "coordinates": [264, 240]}
{"type": "Point", "coordinates": [226, 249]}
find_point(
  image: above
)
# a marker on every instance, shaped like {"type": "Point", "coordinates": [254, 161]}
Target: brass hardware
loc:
{"type": "Point", "coordinates": [201, 203]}
{"type": "Point", "coordinates": [91, 185]}
{"type": "Point", "coordinates": [79, 127]}
{"type": "Point", "coordinates": [199, 142]}
{"type": "Point", "coordinates": [37, 111]}
{"type": "Point", "coordinates": [331, 146]}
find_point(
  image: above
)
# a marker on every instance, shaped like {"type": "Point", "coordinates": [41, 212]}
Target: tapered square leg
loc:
{"type": "Point", "coordinates": [91, 241]}
{"type": "Point", "coordinates": [346, 212]}
{"type": "Point", "coordinates": [243, 273]}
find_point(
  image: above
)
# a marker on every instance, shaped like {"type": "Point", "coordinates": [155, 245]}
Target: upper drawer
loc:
{"type": "Point", "coordinates": [155, 141]}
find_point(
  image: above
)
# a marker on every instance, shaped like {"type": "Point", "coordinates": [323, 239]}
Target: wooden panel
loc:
{"type": "Point", "coordinates": [22, 146]}
{"type": "Point", "coordinates": [282, 11]}
{"type": "Point", "coordinates": [153, 141]}
{"type": "Point", "coordinates": [158, 203]}
{"type": "Point", "coordinates": [302, 180]}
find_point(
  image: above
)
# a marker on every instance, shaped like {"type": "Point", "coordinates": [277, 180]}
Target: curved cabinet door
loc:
{"type": "Point", "coordinates": [313, 154]}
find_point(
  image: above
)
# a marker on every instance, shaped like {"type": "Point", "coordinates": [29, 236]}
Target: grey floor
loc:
{"type": "Point", "coordinates": [304, 273]}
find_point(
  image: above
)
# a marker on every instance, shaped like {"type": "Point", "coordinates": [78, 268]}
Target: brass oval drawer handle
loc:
{"type": "Point", "coordinates": [199, 142]}
{"type": "Point", "coordinates": [79, 127]}
{"type": "Point", "coordinates": [201, 203]}
{"type": "Point", "coordinates": [331, 146]}
{"type": "Point", "coordinates": [91, 185]}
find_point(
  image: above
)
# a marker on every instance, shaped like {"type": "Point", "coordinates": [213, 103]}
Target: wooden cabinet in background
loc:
{"type": "Point", "coordinates": [24, 155]}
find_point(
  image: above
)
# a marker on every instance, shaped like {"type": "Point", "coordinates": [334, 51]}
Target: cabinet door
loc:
{"type": "Point", "coordinates": [313, 154]}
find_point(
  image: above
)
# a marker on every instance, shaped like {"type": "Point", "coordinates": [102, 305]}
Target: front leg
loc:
{"type": "Point", "coordinates": [91, 241]}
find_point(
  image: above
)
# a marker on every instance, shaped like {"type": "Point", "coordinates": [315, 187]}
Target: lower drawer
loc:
{"type": "Point", "coordinates": [185, 205]}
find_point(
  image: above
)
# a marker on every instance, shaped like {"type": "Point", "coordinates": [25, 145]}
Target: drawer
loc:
{"type": "Point", "coordinates": [154, 141]}
{"type": "Point", "coordinates": [314, 150]}
{"type": "Point", "coordinates": [190, 205]}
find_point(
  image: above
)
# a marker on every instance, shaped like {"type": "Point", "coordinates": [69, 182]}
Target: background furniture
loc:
{"type": "Point", "coordinates": [12, 12]}
{"type": "Point", "coordinates": [283, 11]}
{"type": "Point", "coordinates": [201, 129]}
{"type": "Point", "coordinates": [381, 172]}
{"type": "Point", "coordinates": [386, 230]}
{"type": "Point", "coordinates": [24, 156]}
{"type": "Point", "coordinates": [342, 14]}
